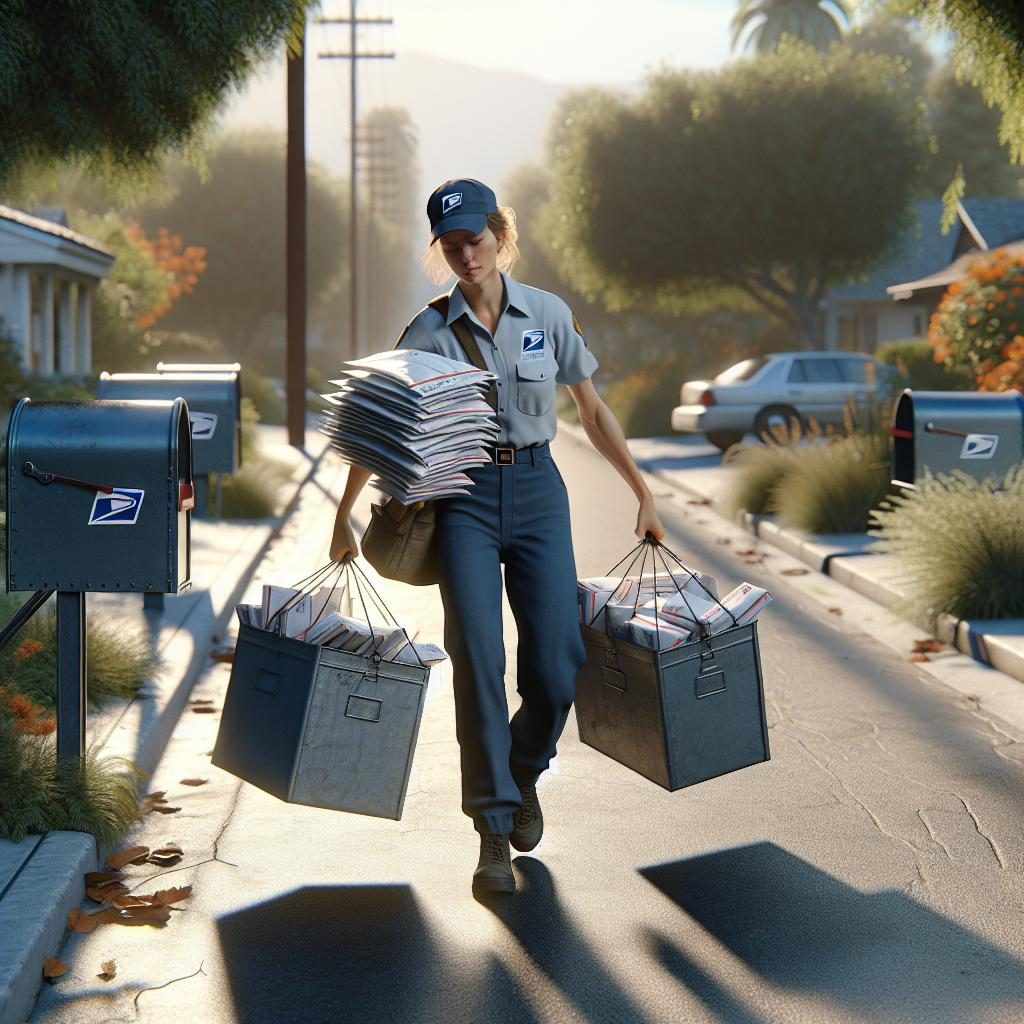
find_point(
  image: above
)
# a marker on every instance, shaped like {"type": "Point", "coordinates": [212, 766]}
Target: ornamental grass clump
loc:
{"type": "Point", "coordinates": [118, 661]}
{"type": "Point", "coordinates": [760, 469]}
{"type": "Point", "coordinates": [36, 795]}
{"type": "Point", "coordinates": [962, 544]}
{"type": "Point", "coordinates": [832, 488]}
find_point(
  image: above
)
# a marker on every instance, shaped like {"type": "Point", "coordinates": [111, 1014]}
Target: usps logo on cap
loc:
{"type": "Point", "coordinates": [118, 509]}
{"type": "Point", "coordinates": [450, 201]}
{"type": "Point", "coordinates": [203, 424]}
{"type": "Point", "coordinates": [979, 446]}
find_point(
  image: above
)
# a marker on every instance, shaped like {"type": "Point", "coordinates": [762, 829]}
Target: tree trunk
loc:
{"type": "Point", "coordinates": [807, 322]}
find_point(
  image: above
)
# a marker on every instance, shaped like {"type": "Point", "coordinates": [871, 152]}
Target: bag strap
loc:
{"type": "Point", "coordinates": [464, 336]}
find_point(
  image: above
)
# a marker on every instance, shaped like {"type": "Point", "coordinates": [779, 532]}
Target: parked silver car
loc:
{"type": "Point", "coordinates": [759, 393]}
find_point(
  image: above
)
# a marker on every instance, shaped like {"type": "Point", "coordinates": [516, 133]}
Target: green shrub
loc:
{"type": "Point", "coordinates": [832, 487]}
{"type": "Point", "coordinates": [962, 544]}
{"type": "Point", "coordinates": [644, 398]}
{"type": "Point", "coordinates": [918, 369]}
{"type": "Point", "coordinates": [254, 492]}
{"type": "Point", "coordinates": [759, 470]}
{"type": "Point", "coordinates": [37, 796]}
{"type": "Point", "coordinates": [119, 660]}
{"type": "Point", "coordinates": [264, 396]}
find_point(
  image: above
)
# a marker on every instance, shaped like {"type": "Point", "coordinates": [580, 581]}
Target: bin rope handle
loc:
{"type": "Point", "coordinates": [29, 469]}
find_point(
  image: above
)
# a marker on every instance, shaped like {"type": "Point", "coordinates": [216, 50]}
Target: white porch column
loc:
{"type": "Point", "coordinates": [46, 341]}
{"type": "Point", "coordinates": [66, 326]}
{"type": "Point", "coordinates": [84, 332]}
{"type": "Point", "coordinates": [21, 327]}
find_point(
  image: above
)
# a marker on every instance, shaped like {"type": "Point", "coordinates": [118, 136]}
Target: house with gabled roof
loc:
{"type": "Point", "coordinates": [48, 276]}
{"type": "Point", "coordinates": [862, 315]}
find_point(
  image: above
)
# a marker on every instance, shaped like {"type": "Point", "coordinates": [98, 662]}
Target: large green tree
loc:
{"type": "Point", "coordinates": [773, 180]}
{"type": "Point", "coordinates": [237, 215]}
{"type": "Point", "coordinates": [116, 81]}
{"type": "Point", "coordinates": [817, 22]}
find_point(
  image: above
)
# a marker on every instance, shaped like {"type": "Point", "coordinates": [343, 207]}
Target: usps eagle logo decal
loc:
{"type": "Point", "coordinates": [450, 201]}
{"type": "Point", "coordinates": [533, 346]}
{"type": "Point", "coordinates": [121, 508]}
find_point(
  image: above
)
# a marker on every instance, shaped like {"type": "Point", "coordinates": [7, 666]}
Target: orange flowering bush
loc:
{"type": "Point", "coordinates": [25, 716]}
{"type": "Point", "coordinates": [182, 265]}
{"type": "Point", "coordinates": [979, 322]}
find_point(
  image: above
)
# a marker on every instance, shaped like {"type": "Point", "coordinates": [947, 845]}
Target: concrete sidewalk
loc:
{"type": "Point", "coordinates": [851, 559]}
{"type": "Point", "coordinates": [41, 878]}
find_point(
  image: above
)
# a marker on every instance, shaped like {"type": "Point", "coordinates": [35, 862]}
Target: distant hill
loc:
{"type": "Point", "coordinates": [471, 122]}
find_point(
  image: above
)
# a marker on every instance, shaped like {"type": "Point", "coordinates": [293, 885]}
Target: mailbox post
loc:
{"type": "Point", "coordinates": [99, 496]}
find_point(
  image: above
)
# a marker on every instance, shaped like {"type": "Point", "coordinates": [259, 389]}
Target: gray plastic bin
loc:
{"type": "Point", "coordinates": [676, 717]}
{"type": "Point", "coordinates": [99, 496]}
{"type": "Point", "coordinates": [316, 726]}
{"type": "Point", "coordinates": [978, 432]}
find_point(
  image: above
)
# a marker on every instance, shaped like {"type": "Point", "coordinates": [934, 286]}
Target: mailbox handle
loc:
{"type": "Point", "coordinates": [46, 479]}
{"type": "Point", "coordinates": [932, 429]}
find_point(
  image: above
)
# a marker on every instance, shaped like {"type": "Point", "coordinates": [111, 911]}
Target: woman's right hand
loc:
{"type": "Point", "coordinates": [343, 542]}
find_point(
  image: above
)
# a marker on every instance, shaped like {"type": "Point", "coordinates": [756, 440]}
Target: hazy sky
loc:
{"type": "Point", "coordinates": [556, 40]}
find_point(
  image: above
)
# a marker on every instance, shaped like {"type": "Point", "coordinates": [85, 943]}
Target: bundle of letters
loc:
{"type": "Point", "coordinates": [416, 419]}
{"type": "Point", "coordinates": [314, 619]}
{"type": "Point", "coordinates": [663, 612]}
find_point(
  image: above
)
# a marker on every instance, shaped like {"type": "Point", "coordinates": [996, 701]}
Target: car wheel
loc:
{"type": "Point", "coordinates": [724, 439]}
{"type": "Point", "coordinates": [772, 418]}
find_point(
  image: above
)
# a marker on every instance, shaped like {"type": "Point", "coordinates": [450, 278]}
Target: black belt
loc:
{"type": "Point", "coordinates": [510, 456]}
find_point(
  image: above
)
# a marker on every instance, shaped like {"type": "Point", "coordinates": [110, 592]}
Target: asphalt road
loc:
{"type": "Point", "coordinates": [871, 871]}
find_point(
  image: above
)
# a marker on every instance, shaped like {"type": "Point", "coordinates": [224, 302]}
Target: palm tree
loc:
{"type": "Point", "coordinates": [818, 22]}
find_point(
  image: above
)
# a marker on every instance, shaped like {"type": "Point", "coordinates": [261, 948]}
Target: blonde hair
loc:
{"type": "Point", "coordinates": [503, 226]}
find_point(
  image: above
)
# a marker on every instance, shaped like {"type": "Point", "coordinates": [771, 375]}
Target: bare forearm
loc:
{"type": "Point", "coordinates": [357, 478]}
{"type": "Point", "coordinates": [606, 436]}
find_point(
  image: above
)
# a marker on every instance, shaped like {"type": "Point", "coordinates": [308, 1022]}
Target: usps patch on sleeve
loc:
{"type": "Point", "coordinates": [533, 346]}
{"type": "Point", "coordinates": [118, 509]}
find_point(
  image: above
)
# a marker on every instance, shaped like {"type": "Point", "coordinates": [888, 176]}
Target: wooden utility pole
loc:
{"type": "Point", "coordinates": [354, 56]}
{"type": "Point", "coordinates": [295, 248]}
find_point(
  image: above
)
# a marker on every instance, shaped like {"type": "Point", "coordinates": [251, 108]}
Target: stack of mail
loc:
{"type": "Point", "coordinates": [416, 419]}
{"type": "Point", "coordinates": [599, 596]}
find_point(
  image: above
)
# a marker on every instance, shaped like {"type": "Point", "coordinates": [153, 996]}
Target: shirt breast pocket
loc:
{"type": "Point", "coordinates": [535, 383]}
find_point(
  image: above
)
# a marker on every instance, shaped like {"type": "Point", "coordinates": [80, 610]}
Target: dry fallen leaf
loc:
{"type": "Point", "coordinates": [169, 896]}
{"type": "Point", "coordinates": [161, 809]}
{"type": "Point", "coordinates": [202, 700]}
{"type": "Point", "coordinates": [929, 646]}
{"type": "Point", "coordinates": [133, 855]}
{"type": "Point", "coordinates": [80, 921]}
{"type": "Point", "coordinates": [54, 968]}
{"type": "Point", "coordinates": [836, 611]}
{"type": "Point", "coordinates": [205, 709]}
{"type": "Point", "coordinates": [795, 572]}
{"type": "Point", "coordinates": [108, 970]}
{"type": "Point", "coordinates": [106, 893]}
{"type": "Point", "coordinates": [225, 655]}
{"type": "Point", "coordinates": [747, 552]}
{"type": "Point", "coordinates": [151, 800]}
{"type": "Point", "coordinates": [102, 877]}
{"type": "Point", "coordinates": [699, 501]}
{"type": "Point", "coordinates": [129, 902]}
{"type": "Point", "coordinates": [156, 915]}
{"type": "Point", "coordinates": [919, 657]}
{"type": "Point", "coordinates": [194, 782]}
{"type": "Point", "coordinates": [166, 855]}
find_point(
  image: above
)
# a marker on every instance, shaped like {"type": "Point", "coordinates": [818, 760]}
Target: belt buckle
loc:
{"type": "Point", "coordinates": [505, 456]}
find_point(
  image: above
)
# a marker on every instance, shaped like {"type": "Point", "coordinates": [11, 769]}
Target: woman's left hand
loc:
{"type": "Point", "coordinates": [648, 521]}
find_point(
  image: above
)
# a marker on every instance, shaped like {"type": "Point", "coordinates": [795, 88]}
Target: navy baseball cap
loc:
{"type": "Point", "coordinates": [461, 204]}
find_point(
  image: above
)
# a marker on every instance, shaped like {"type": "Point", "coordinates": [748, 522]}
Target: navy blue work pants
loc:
{"type": "Point", "coordinates": [517, 515]}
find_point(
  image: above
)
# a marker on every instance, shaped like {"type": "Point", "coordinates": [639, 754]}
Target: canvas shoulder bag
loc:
{"type": "Point", "coordinates": [399, 541]}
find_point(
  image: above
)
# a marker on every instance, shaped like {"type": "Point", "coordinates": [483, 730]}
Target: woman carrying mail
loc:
{"type": "Point", "coordinates": [516, 513]}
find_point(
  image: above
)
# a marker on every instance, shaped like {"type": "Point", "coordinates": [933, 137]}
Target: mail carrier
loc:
{"type": "Point", "coordinates": [99, 496]}
{"type": "Point", "coordinates": [978, 432]}
{"type": "Point", "coordinates": [213, 408]}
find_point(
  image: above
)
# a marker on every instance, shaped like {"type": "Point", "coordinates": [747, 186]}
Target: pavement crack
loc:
{"type": "Point", "coordinates": [934, 838]}
{"type": "Point", "coordinates": [154, 988]}
{"type": "Point", "coordinates": [984, 835]}
{"type": "Point", "coordinates": [224, 827]}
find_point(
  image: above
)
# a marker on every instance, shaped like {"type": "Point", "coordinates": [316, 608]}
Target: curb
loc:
{"type": "Point", "coordinates": [997, 643]}
{"type": "Point", "coordinates": [48, 882]}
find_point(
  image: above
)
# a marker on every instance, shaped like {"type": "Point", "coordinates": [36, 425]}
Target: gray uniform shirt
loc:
{"type": "Point", "coordinates": [536, 346]}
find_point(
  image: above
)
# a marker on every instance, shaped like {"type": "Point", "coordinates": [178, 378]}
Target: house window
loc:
{"type": "Point", "coordinates": [918, 325]}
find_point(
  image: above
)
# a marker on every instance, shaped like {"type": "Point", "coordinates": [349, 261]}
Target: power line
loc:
{"type": "Point", "coordinates": [354, 56]}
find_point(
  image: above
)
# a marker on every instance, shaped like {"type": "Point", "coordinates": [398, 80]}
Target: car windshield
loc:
{"type": "Point", "coordinates": [741, 371]}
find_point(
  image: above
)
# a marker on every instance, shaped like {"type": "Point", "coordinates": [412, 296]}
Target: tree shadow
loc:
{"type": "Point", "coordinates": [548, 937]}
{"type": "Point", "coordinates": [356, 953]}
{"type": "Point", "coordinates": [882, 955]}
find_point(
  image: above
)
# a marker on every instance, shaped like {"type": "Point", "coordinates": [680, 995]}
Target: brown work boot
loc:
{"type": "Point", "coordinates": [494, 871]}
{"type": "Point", "coordinates": [528, 821]}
